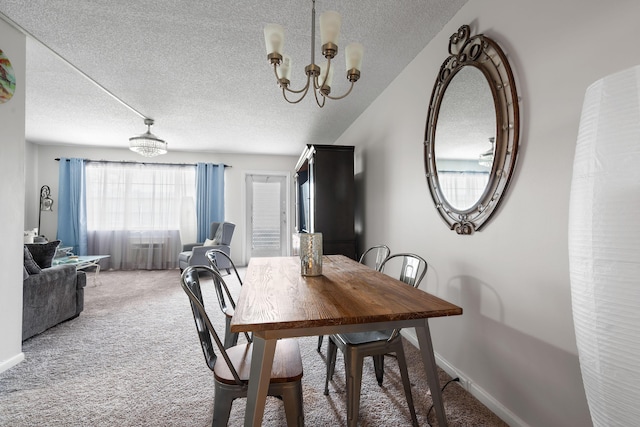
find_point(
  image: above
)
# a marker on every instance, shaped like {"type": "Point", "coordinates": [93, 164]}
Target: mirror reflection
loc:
{"type": "Point", "coordinates": [465, 138]}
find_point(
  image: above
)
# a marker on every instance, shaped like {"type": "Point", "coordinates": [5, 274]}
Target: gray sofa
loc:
{"type": "Point", "coordinates": [220, 234]}
{"type": "Point", "coordinates": [51, 296]}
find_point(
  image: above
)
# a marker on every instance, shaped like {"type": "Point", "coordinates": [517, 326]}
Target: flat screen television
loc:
{"type": "Point", "coordinates": [304, 203]}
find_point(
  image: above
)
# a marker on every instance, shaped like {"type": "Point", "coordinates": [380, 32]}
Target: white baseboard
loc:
{"type": "Point", "coordinates": [10, 363]}
{"type": "Point", "coordinates": [468, 384]}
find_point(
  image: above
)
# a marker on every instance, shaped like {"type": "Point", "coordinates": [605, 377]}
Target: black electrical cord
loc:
{"type": "Point", "coordinates": [456, 379]}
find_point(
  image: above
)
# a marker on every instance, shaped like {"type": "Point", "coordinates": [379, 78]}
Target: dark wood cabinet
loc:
{"type": "Point", "coordinates": [325, 197]}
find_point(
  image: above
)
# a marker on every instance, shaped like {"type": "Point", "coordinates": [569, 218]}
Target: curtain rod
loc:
{"type": "Point", "coordinates": [57, 159]}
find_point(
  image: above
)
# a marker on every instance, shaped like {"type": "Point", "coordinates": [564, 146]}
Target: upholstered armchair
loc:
{"type": "Point", "coordinates": [220, 235]}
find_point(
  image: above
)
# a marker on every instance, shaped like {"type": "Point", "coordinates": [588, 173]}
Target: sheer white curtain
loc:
{"type": "Point", "coordinates": [137, 212]}
{"type": "Point", "coordinates": [463, 189]}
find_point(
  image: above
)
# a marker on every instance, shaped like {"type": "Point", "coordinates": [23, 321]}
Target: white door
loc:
{"type": "Point", "coordinates": [267, 213]}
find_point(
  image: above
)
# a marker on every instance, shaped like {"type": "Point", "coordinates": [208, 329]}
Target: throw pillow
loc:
{"type": "Point", "coordinates": [29, 264]}
{"type": "Point", "coordinates": [25, 273]}
{"type": "Point", "coordinates": [43, 253]}
{"type": "Point", "coordinates": [209, 242]}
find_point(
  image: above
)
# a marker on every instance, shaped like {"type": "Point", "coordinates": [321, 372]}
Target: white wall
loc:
{"type": "Point", "coordinates": [234, 191]}
{"type": "Point", "coordinates": [32, 190]}
{"type": "Point", "coordinates": [12, 117]}
{"type": "Point", "coordinates": [515, 342]}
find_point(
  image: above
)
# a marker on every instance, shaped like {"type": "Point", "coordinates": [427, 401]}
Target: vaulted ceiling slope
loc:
{"type": "Point", "coordinates": [199, 69]}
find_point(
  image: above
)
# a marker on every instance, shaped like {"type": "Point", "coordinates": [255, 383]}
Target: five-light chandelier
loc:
{"type": "Point", "coordinates": [319, 76]}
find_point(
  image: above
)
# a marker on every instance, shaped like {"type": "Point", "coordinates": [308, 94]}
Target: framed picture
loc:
{"type": "Point", "coordinates": [7, 79]}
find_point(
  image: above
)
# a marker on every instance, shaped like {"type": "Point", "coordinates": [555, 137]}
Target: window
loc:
{"type": "Point", "coordinates": [136, 212]}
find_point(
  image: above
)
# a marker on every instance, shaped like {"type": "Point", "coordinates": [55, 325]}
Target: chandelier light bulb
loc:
{"type": "Point", "coordinates": [353, 56]}
{"type": "Point", "coordinates": [285, 68]}
{"type": "Point", "coordinates": [274, 38]}
{"type": "Point", "coordinates": [330, 23]}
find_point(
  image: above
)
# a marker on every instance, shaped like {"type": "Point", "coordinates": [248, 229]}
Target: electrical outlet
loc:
{"type": "Point", "coordinates": [464, 382]}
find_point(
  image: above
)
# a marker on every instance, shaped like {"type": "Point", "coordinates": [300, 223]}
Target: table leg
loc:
{"type": "Point", "coordinates": [429, 360]}
{"type": "Point", "coordinates": [261, 362]}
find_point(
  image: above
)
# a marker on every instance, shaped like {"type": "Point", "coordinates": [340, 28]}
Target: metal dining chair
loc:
{"type": "Point", "coordinates": [376, 253]}
{"type": "Point", "coordinates": [215, 256]}
{"type": "Point", "coordinates": [231, 373]}
{"type": "Point", "coordinates": [356, 346]}
{"type": "Point", "coordinates": [225, 300]}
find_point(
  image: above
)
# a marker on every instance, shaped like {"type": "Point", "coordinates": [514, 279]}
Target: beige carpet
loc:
{"type": "Point", "coordinates": [132, 358]}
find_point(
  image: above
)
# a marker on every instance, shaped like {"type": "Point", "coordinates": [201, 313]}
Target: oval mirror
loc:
{"type": "Point", "coordinates": [471, 137]}
{"type": "Point", "coordinates": [465, 131]}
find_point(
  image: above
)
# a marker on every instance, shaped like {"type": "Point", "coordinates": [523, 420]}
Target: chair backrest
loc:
{"type": "Point", "coordinates": [221, 232]}
{"type": "Point", "coordinates": [213, 229]}
{"type": "Point", "coordinates": [378, 253]}
{"type": "Point", "coordinates": [412, 270]}
{"type": "Point", "coordinates": [214, 256]}
{"type": "Point", "coordinates": [190, 282]}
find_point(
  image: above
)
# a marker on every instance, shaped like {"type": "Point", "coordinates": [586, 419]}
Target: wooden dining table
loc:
{"type": "Point", "coordinates": [276, 301]}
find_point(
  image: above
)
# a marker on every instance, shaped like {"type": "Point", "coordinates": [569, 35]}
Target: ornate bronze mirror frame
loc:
{"type": "Point", "coordinates": [472, 132]}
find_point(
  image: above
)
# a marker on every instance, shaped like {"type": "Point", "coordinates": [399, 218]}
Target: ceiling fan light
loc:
{"type": "Point", "coordinates": [148, 144]}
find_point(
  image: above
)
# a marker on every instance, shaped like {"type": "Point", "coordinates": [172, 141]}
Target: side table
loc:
{"type": "Point", "coordinates": [82, 262]}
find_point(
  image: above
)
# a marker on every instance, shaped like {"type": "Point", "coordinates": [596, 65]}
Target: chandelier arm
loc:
{"type": "Point", "coordinates": [275, 71]}
{"type": "Point", "coordinates": [326, 74]}
{"type": "Point", "coordinates": [286, 87]}
{"type": "Point", "coordinates": [285, 90]}
{"type": "Point", "coordinates": [343, 96]}
{"type": "Point", "coordinates": [304, 89]}
{"type": "Point", "coordinates": [317, 85]}
{"type": "Point", "coordinates": [324, 99]}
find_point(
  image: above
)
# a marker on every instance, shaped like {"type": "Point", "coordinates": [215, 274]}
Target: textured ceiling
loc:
{"type": "Point", "coordinates": [199, 69]}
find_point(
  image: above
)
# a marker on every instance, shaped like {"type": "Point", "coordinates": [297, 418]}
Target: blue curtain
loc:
{"type": "Point", "coordinates": [72, 205]}
{"type": "Point", "coordinates": [209, 197]}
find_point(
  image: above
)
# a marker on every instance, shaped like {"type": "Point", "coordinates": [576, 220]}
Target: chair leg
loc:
{"type": "Point", "coordinates": [331, 363]}
{"type": "Point", "coordinates": [320, 338]}
{"type": "Point", "coordinates": [353, 368]}
{"type": "Point", "coordinates": [293, 408]}
{"type": "Point", "coordinates": [378, 365]}
{"type": "Point", "coordinates": [402, 364]}
{"type": "Point", "coordinates": [221, 407]}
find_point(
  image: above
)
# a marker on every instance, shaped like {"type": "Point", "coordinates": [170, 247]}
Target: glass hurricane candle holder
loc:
{"type": "Point", "coordinates": [311, 254]}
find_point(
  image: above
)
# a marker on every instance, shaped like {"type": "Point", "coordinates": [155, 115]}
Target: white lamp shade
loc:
{"type": "Point", "coordinates": [330, 23]}
{"type": "Point", "coordinates": [284, 71]}
{"type": "Point", "coordinates": [604, 248]}
{"type": "Point", "coordinates": [353, 56]}
{"type": "Point", "coordinates": [323, 72]}
{"type": "Point", "coordinates": [274, 38]}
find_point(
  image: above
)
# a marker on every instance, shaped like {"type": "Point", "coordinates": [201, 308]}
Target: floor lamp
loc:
{"type": "Point", "coordinates": [604, 248]}
{"type": "Point", "coordinates": [46, 204]}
